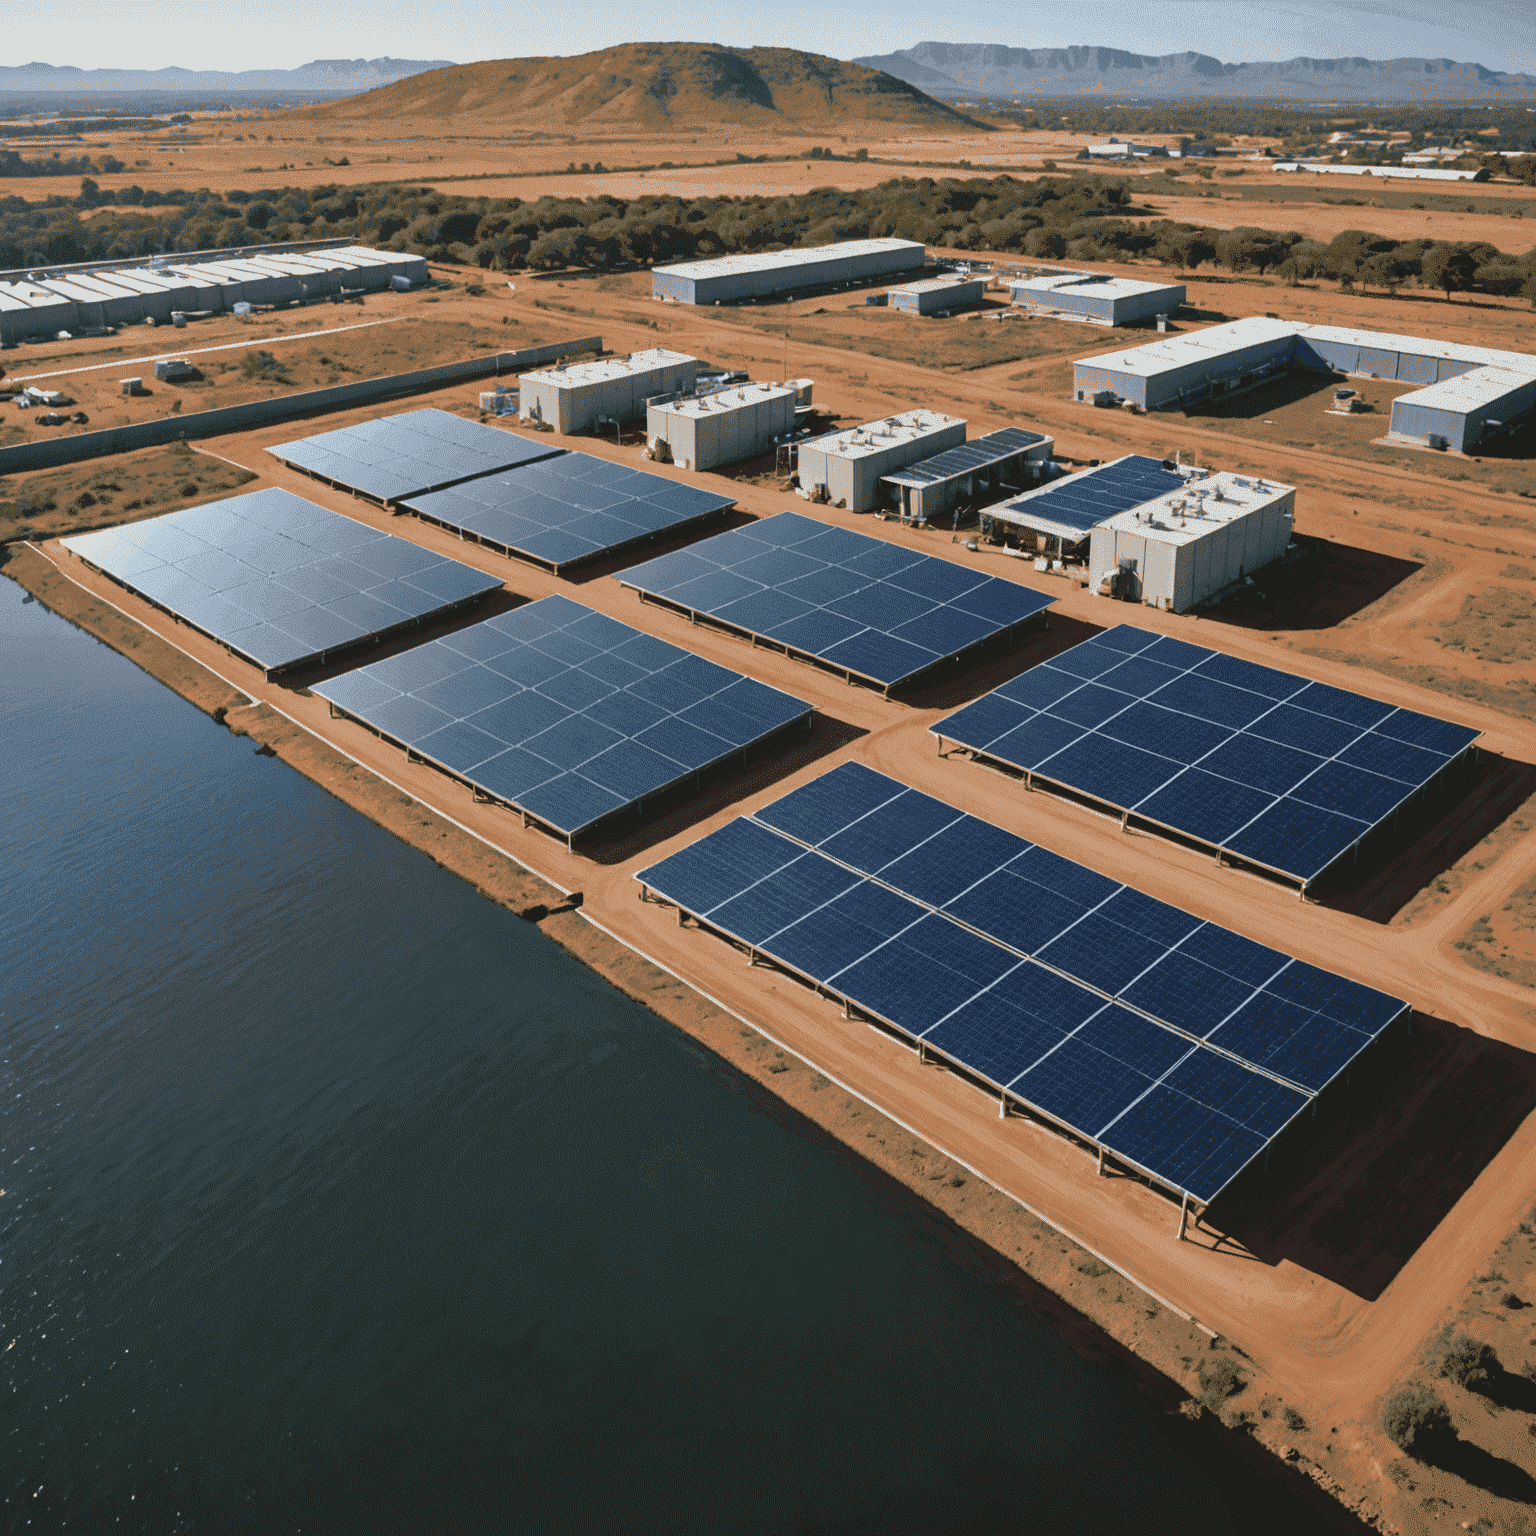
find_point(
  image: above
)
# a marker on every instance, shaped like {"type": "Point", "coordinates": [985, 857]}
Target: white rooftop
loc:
{"type": "Point", "coordinates": [606, 369]}
{"type": "Point", "coordinates": [1415, 173]}
{"type": "Point", "coordinates": [1470, 391]}
{"type": "Point", "coordinates": [1091, 283]}
{"type": "Point", "coordinates": [877, 436]}
{"type": "Point", "coordinates": [937, 284]}
{"type": "Point", "coordinates": [1202, 507]}
{"type": "Point", "coordinates": [726, 400]}
{"type": "Point", "coordinates": [773, 261]}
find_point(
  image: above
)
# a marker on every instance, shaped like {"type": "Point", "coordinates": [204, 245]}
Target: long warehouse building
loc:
{"type": "Point", "coordinates": [726, 279]}
{"type": "Point", "coordinates": [1095, 297]}
{"type": "Point", "coordinates": [39, 306]}
{"type": "Point", "coordinates": [1493, 389]}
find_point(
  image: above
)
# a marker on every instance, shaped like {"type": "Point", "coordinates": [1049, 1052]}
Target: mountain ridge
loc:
{"type": "Point", "coordinates": [995, 69]}
{"type": "Point", "coordinates": [655, 86]}
{"type": "Point", "coordinates": [345, 76]}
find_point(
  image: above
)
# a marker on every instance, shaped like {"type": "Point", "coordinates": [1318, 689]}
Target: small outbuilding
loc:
{"type": "Point", "coordinates": [574, 398]}
{"type": "Point", "coordinates": [1012, 459]}
{"type": "Point", "coordinates": [847, 466]}
{"type": "Point", "coordinates": [1096, 297]}
{"type": "Point", "coordinates": [701, 431]}
{"type": "Point", "coordinates": [938, 293]}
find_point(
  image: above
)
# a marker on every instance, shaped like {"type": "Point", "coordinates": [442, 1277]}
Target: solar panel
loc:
{"type": "Point", "coordinates": [561, 712]}
{"type": "Point", "coordinates": [966, 458]}
{"type": "Point", "coordinates": [1181, 1109]}
{"type": "Point", "coordinates": [1080, 502]}
{"type": "Point", "coordinates": [393, 457]}
{"type": "Point", "coordinates": [562, 511]}
{"type": "Point", "coordinates": [1259, 763]}
{"type": "Point", "coordinates": [869, 608]}
{"type": "Point", "coordinates": [278, 579]}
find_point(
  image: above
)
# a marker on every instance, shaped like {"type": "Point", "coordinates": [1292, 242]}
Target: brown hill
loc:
{"type": "Point", "coordinates": [653, 86]}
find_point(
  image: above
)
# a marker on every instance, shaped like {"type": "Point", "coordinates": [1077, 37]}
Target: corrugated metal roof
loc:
{"type": "Point", "coordinates": [1469, 391]}
{"type": "Point", "coordinates": [876, 436]}
{"type": "Point", "coordinates": [773, 261]}
{"type": "Point", "coordinates": [1093, 284]}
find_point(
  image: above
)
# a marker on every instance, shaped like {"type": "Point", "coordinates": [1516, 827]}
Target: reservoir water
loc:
{"type": "Point", "coordinates": [336, 1199]}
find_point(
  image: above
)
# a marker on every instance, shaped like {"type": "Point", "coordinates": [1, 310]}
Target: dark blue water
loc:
{"type": "Point", "coordinates": [336, 1199]}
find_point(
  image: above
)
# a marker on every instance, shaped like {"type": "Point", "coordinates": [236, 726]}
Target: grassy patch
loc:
{"type": "Point", "coordinates": [1497, 625]}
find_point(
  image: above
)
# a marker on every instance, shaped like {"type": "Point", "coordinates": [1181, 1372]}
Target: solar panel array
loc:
{"type": "Point", "coordinates": [397, 456]}
{"type": "Point", "coordinates": [871, 608]}
{"type": "Point", "coordinates": [1178, 1045]}
{"type": "Point", "coordinates": [1279, 771]}
{"type": "Point", "coordinates": [1084, 500]}
{"type": "Point", "coordinates": [968, 457]}
{"type": "Point", "coordinates": [277, 578]}
{"type": "Point", "coordinates": [562, 712]}
{"type": "Point", "coordinates": [569, 508]}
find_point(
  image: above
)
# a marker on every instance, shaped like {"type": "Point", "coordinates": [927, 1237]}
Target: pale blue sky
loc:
{"type": "Point", "coordinates": [207, 34]}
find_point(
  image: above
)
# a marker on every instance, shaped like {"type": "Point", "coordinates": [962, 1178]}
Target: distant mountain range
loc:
{"type": "Point", "coordinates": [990, 69]}
{"type": "Point", "coordinates": [322, 77]}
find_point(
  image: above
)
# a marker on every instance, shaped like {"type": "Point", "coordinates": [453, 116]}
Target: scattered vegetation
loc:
{"type": "Point", "coordinates": [1417, 1421]}
{"type": "Point", "coordinates": [1220, 1380]}
{"type": "Point", "coordinates": [1469, 1363]}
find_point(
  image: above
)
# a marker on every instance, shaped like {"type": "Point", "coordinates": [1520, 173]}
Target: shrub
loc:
{"type": "Point", "coordinates": [1294, 1420]}
{"type": "Point", "coordinates": [1219, 1380]}
{"type": "Point", "coordinates": [1417, 1419]}
{"type": "Point", "coordinates": [1469, 1363]}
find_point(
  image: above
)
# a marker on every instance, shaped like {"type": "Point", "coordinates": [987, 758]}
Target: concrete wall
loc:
{"type": "Point", "coordinates": [49, 453]}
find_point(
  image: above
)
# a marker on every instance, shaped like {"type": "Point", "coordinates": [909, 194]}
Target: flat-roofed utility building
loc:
{"type": "Point", "coordinates": [1070, 507]}
{"type": "Point", "coordinates": [929, 295]}
{"type": "Point", "coordinates": [1096, 297]}
{"type": "Point", "coordinates": [701, 431]}
{"type": "Point", "coordinates": [1188, 544]}
{"type": "Point", "coordinates": [1010, 459]}
{"type": "Point", "coordinates": [727, 279]}
{"type": "Point", "coordinates": [1493, 390]}
{"type": "Point", "coordinates": [849, 463]}
{"type": "Point", "coordinates": [571, 399]}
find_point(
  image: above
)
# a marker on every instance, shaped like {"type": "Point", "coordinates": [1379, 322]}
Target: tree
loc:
{"type": "Point", "coordinates": [1417, 1421]}
{"type": "Point", "coordinates": [1469, 1363]}
{"type": "Point", "coordinates": [1451, 267]}
{"type": "Point", "coordinates": [1184, 249]}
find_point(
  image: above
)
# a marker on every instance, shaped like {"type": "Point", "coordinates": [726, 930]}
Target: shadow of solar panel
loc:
{"type": "Point", "coordinates": [259, 572]}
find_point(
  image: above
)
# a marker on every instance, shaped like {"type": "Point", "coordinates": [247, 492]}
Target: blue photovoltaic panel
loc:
{"type": "Point", "coordinates": [1283, 772]}
{"type": "Point", "coordinates": [1047, 1040]}
{"type": "Point", "coordinates": [967, 458]}
{"type": "Point", "coordinates": [1082, 501]}
{"type": "Point", "coordinates": [565, 713]}
{"type": "Point", "coordinates": [568, 509]}
{"type": "Point", "coordinates": [872, 608]}
{"type": "Point", "coordinates": [397, 456]}
{"type": "Point", "coordinates": [278, 579]}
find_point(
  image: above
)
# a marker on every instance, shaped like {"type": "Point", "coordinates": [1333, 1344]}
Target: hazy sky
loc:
{"type": "Point", "coordinates": [206, 34]}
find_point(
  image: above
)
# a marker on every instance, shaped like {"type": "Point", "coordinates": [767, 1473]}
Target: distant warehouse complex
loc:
{"type": "Point", "coordinates": [726, 279]}
{"type": "Point", "coordinates": [40, 307]}
{"type": "Point", "coordinates": [1095, 297]}
{"type": "Point", "coordinates": [1470, 393]}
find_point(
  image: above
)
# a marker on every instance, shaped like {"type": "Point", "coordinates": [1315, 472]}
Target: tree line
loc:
{"type": "Point", "coordinates": [1082, 218]}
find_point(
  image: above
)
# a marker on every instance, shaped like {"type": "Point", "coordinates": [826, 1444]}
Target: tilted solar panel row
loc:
{"type": "Point", "coordinates": [562, 712]}
{"type": "Point", "coordinates": [1264, 1008]}
{"type": "Point", "coordinates": [1275, 769]}
{"type": "Point", "coordinates": [277, 578]}
{"type": "Point", "coordinates": [870, 607]}
{"type": "Point", "coordinates": [1186, 1115]}
{"type": "Point", "coordinates": [991, 449]}
{"type": "Point", "coordinates": [569, 508]}
{"type": "Point", "coordinates": [392, 457]}
{"type": "Point", "coordinates": [1086, 499]}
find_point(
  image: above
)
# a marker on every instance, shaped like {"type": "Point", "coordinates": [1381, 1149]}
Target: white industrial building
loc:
{"type": "Point", "coordinates": [701, 431]}
{"type": "Point", "coordinates": [574, 398]}
{"type": "Point", "coordinates": [1095, 297]}
{"type": "Point", "coordinates": [1404, 172]}
{"type": "Point", "coordinates": [934, 294]}
{"type": "Point", "coordinates": [848, 464]}
{"type": "Point", "coordinates": [1119, 149]}
{"type": "Point", "coordinates": [1189, 544]}
{"type": "Point", "coordinates": [726, 279]}
{"type": "Point", "coordinates": [1178, 371]}
{"type": "Point", "coordinates": [73, 299]}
